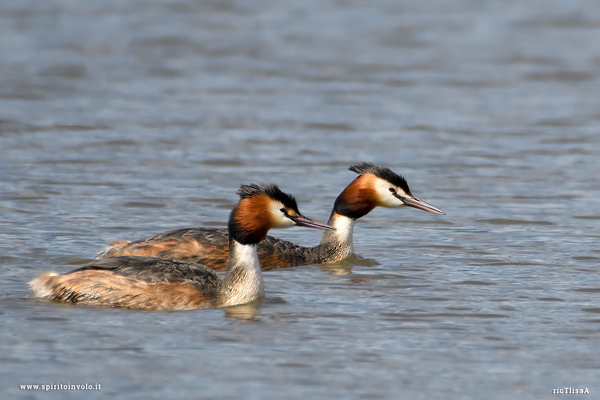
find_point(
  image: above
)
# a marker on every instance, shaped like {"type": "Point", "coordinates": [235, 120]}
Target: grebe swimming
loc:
{"type": "Point", "coordinates": [375, 186]}
{"type": "Point", "coordinates": [159, 284]}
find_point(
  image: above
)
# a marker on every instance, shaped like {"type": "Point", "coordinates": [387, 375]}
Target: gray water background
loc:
{"type": "Point", "coordinates": [121, 119]}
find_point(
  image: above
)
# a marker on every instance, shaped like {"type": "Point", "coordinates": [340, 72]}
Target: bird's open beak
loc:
{"type": "Point", "coordinates": [309, 223]}
{"type": "Point", "coordinates": [421, 205]}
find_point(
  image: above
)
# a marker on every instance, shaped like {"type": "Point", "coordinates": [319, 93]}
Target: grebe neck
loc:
{"type": "Point", "coordinates": [342, 236]}
{"type": "Point", "coordinates": [243, 280]}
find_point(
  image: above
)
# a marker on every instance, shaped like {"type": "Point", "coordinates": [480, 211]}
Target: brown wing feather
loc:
{"type": "Point", "coordinates": [135, 282]}
{"type": "Point", "coordinates": [210, 247]}
{"type": "Point", "coordinates": [204, 246]}
{"type": "Point", "coordinates": [106, 289]}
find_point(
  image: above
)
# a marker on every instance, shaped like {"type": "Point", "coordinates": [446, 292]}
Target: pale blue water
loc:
{"type": "Point", "coordinates": [123, 119]}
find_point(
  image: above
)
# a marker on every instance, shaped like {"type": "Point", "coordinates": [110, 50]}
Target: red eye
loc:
{"type": "Point", "coordinates": [392, 190]}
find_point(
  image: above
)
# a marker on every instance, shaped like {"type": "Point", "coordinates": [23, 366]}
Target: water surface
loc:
{"type": "Point", "coordinates": [123, 119]}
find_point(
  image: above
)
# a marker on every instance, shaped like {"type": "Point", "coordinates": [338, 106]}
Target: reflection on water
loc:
{"type": "Point", "coordinates": [118, 121]}
{"type": "Point", "coordinates": [244, 312]}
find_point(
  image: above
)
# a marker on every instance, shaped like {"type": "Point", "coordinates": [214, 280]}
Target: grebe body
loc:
{"type": "Point", "coordinates": [374, 187]}
{"type": "Point", "coordinates": [151, 283]}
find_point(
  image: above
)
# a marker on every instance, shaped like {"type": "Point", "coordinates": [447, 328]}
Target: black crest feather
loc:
{"type": "Point", "coordinates": [381, 172]}
{"type": "Point", "coordinates": [247, 191]}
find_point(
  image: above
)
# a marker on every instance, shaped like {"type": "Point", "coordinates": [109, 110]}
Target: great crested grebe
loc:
{"type": "Point", "coordinates": [376, 186]}
{"type": "Point", "coordinates": [158, 284]}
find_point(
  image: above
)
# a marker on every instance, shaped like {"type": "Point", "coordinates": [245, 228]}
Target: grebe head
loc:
{"type": "Point", "coordinates": [262, 208]}
{"type": "Point", "coordinates": [377, 186]}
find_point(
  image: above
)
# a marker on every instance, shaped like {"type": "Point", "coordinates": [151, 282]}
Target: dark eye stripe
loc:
{"type": "Point", "coordinates": [396, 195]}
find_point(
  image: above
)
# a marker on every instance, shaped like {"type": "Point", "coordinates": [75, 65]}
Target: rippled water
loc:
{"type": "Point", "coordinates": [120, 119]}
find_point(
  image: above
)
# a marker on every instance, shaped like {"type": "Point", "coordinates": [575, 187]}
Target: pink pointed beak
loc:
{"type": "Point", "coordinates": [309, 223]}
{"type": "Point", "coordinates": [421, 205]}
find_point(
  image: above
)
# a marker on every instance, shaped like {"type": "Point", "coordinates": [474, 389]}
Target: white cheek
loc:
{"type": "Point", "coordinates": [391, 201]}
{"type": "Point", "coordinates": [280, 220]}
{"type": "Point", "coordinates": [283, 222]}
{"type": "Point", "coordinates": [385, 198]}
